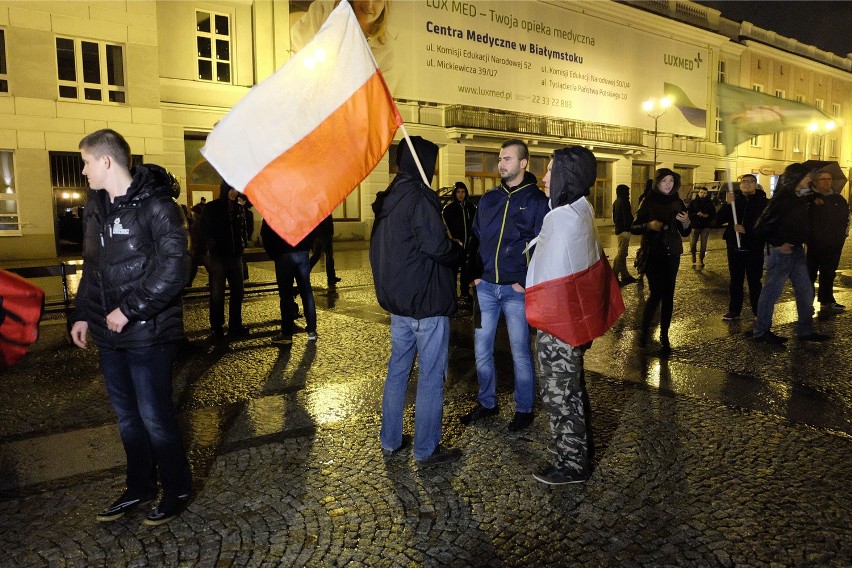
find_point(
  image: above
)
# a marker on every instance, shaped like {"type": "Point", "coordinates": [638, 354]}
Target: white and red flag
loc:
{"type": "Point", "coordinates": [571, 290]}
{"type": "Point", "coordinates": [299, 142]}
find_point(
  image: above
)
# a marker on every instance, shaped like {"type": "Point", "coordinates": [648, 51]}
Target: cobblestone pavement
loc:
{"type": "Point", "coordinates": [730, 453]}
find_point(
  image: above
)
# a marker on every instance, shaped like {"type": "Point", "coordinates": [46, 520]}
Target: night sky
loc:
{"type": "Point", "coordinates": [827, 25]}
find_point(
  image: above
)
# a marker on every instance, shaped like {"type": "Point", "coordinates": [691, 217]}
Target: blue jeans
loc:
{"type": "Point", "coordinates": [290, 265]}
{"type": "Point", "coordinates": [780, 267]}
{"type": "Point", "coordinates": [139, 383]}
{"type": "Point", "coordinates": [430, 339]}
{"type": "Point", "coordinates": [494, 299]}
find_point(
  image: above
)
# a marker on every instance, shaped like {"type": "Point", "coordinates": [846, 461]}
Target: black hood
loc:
{"type": "Point", "coordinates": [663, 172]}
{"type": "Point", "coordinates": [622, 191]}
{"type": "Point", "coordinates": [572, 174]}
{"type": "Point", "coordinates": [460, 185]}
{"type": "Point", "coordinates": [151, 179]}
{"type": "Point", "coordinates": [790, 179]}
{"type": "Point", "coordinates": [426, 151]}
{"type": "Point", "coordinates": [224, 189]}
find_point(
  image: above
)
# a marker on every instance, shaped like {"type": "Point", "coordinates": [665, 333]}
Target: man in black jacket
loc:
{"type": "Point", "coordinates": [458, 216]}
{"type": "Point", "coordinates": [223, 223]}
{"type": "Point", "coordinates": [412, 260]}
{"type": "Point", "coordinates": [784, 226]}
{"type": "Point", "coordinates": [135, 265]}
{"type": "Point", "coordinates": [745, 257]}
{"type": "Point", "coordinates": [829, 217]}
{"type": "Point", "coordinates": [622, 219]}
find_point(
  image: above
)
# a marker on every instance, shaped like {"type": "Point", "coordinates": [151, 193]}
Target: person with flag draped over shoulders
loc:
{"type": "Point", "coordinates": [572, 298]}
{"type": "Point", "coordinates": [413, 261]}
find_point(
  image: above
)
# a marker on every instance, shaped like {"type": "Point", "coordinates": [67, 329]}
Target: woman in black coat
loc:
{"type": "Point", "coordinates": [661, 220]}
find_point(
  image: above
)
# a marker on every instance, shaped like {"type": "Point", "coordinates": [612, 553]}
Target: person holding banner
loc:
{"type": "Point", "coordinates": [745, 257]}
{"type": "Point", "coordinates": [661, 220]}
{"type": "Point", "coordinates": [413, 261]}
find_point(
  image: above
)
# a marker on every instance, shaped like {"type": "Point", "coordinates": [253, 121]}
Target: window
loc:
{"type": "Point", "coordinates": [835, 109]}
{"type": "Point", "coordinates": [10, 223]}
{"type": "Point", "coordinates": [718, 128]}
{"type": "Point", "coordinates": [722, 71]}
{"type": "Point", "coordinates": [778, 141]}
{"type": "Point", "coordinates": [797, 142]}
{"type": "Point", "coordinates": [755, 140]}
{"type": "Point", "coordinates": [4, 77]}
{"type": "Point", "coordinates": [819, 103]}
{"type": "Point", "coordinates": [90, 70]}
{"type": "Point", "coordinates": [832, 147]}
{"type": "Point", "coordinates": [800, 98]}
{"type": "Point", "coordinates": [213, 43]}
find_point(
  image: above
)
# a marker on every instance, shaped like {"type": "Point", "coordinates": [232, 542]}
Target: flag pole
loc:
{"type": "Point", "coordinates": [733, 201]}
{"type": "Point", "coordinates": [414, 153]}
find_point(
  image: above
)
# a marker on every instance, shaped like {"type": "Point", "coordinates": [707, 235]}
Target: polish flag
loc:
{"type": "Point", "coordinates": [571, 290]}
{"type": "Point", "coordinates": [299, 142]}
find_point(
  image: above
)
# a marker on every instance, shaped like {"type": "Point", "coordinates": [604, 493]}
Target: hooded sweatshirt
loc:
{"type": "Point", "coordinates": [622, 211]}
{"type": "Point", "coordinates": [410, 253]}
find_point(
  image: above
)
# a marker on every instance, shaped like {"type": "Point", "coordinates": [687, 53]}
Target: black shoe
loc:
{"type": "Point", "coordinates": [282, 339]}
{"type": "Point", "coordinates": [406, 442]}
{"type": "Point", "coordinates": [551, 475]}
{"type": "Point", "coordinates": [520, 421]}
{"type": "Point", "coordinates": [168, 509]}
{"type": "Point", "coordinates": [238, 332]}
{"type": "Point", "coordinates": [478, 413]}
{"type": "Point", "coordinates": [628, 280]}
{"type": "Point", "coordinates": [832, 307]}
{"type": "Point", "coordinates": [731, 316]}
{"type": "Point", "coordinates": [771, 338]}
{"type": "Point", "coordinates": [439, 456]}
{"type": "Point", "coordinates": [128, 500]}
{"type": "Point", "coordinates": [217, 335]}
{"type": "Point", "coordinates": [814, 337]}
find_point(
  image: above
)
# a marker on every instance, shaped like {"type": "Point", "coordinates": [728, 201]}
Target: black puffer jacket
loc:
{"type": "Point", "coordinates": [135, 258]}
{"type": "Point", "coordinates": [410, 253]}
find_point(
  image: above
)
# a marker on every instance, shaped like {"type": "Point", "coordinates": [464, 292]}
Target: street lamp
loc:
{"type": "Point", "coordinates": [656, 109]}
{"type": "Point", "coordinates": [820, 133]}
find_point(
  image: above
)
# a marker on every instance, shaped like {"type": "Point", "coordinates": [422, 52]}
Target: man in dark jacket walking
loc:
{"type": "Point", "coordinates": [701, 214]}
{"type": "Point", "coordinates": [829, 218]}
{"type": "Point", "coordinates": [507, 219]}
{"type": "Point", "coordinates": [745, 258]}
{"type": "Point", "coordinates": [458, 216]}
{"type": "Point", "coordinates": [622, 219]}
{"type": "Point", "coordinates": [412, 260]}
{"type": "Point", "coordinates": [223, 222]}
{"type": "Point", "coordinates": [135, 265]}
{"type": "Point", "coordinates": [784, 226]}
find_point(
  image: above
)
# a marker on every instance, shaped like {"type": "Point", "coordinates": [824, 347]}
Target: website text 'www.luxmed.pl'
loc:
{"type": "Point", "coordinates": [485, 92]}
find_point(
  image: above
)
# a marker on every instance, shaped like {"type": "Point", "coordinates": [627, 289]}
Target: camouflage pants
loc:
{"type": "Point", "coordinates": [563, 396]}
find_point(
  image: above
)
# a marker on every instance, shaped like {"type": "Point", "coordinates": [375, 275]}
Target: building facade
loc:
{"type": "Point", "coordinates": [467, 75]}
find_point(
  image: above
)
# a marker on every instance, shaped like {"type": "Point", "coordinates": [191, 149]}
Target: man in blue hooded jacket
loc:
{"type": "Point", "coordinates": [413, 262]}
{"type": "Point", "coordinates": [507, 219]}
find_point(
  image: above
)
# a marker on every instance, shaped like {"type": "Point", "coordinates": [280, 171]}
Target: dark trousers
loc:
{"type": "Point", "coordinates": [662, 276]}
{"type": "Point", "coordinates": [139, 383]}
{"type": "Point", "coordinates": [324, 245]}
{"type": "Point", "coordinates": [220, 269]}
{"type": "Point", "coordinates": [824, 259]}
{"type": "Point", "coordinates": [744, 264]}
{"type": "Point", "coordinates": [290, 265]}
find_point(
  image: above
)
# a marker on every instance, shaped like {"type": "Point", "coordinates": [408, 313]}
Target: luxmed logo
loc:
{"type": "Point", "coordinates": [683, 62]}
